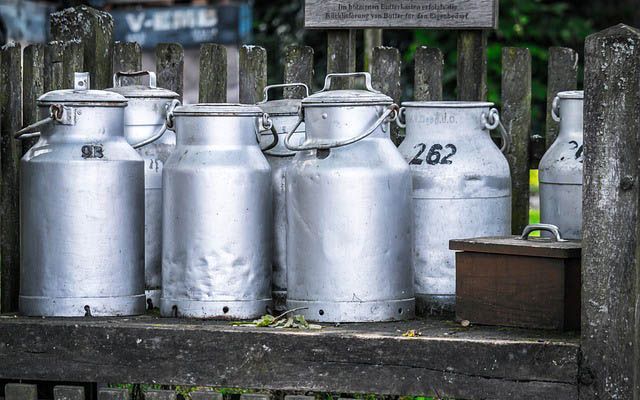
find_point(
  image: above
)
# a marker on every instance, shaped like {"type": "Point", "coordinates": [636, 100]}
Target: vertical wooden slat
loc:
{"type": "Point", "coordinates": [170, 67]}
{"type": "Point", "coordinates": [113, 394]}
{"type": "Point", "coordinates": [94, 29]}
{"type": "Point", "coordinates": [53, 66]}
{"type": "Point", "coordinates": [429, 64]}
{"type": "Point", "coordinates": [213, 73]}
{"type": "Point", "coordinates": [20, 391]}
{"type": "Point", "coordinates": [32, 87]}
{"type": "Point", "coordinates": [72, 62]}
{"type": "Point", "coordinates": [160, 395]}
{"type": "Point", "coordinates": [298, 68]}
{"type": "Point", "coordinates": [610, 347]}
{"type": "Point", "coordinates": [341, 54]}
{"type": "Point", "coordinates": [68, 393]}
{"type": "Point", "coordinates": [298, 397]}
{"type": "Point", "coordinates": [385, 74]}
{"type": "Point", "coordinates": [127, 57]}
{"type": "Point", "coordinates": [472, 65]}
{"type": "Point", "coordinates": [10, 150]}
{"type": "Point", "coordinates": [253, 73]}
{"type": "Point", "coordinates": [562, 75]}
{"type": "Point", "coordinates": [372, 39]}
{"type": "Point", "coordinates": [205, 395]}
{"type": "Point", "coordinates": [516, 118]}
{"type": "Point", "coordinates": [255, 396]}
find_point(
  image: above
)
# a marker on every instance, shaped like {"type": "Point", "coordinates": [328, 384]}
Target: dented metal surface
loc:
{"type": "Point", "coordinates": [461, 189]}
{"type": "Point", "coordinates": [560, 170]}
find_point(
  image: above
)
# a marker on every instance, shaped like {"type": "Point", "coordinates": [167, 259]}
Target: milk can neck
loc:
{"type": "Point", "coordinates": [216, 130]}
{"type": "Point", "coordinates": [452, 121]}
{"type": "Point", "coordinates": [571, 117]}
{"type": "Point", "coordinates": [87, 123]}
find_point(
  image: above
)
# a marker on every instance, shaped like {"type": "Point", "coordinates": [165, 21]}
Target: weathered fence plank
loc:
{"type": "Point", "coordinates": [472, 65]}
{"type": "Point", "coordinates": [516, 118]}
{"type": "Point", "coordinates": [341, 54]}
{"type": "Point", "coordinates": [428, 67]}
{"type": "Point", "coordinates": [113, 394]}
{"type": "Point", "coordinates": [562, 75]}
{"type": "Point", "coordinates": [160, 395]}
{"type": "Point", "coordinates": [253, 73]}
{"type": "Point", "coordinates": [255, 396]}
{"type": "Point", "coordinates": [298, 397]}
{"type": "Point", "coordinates": [213, 73]}
{"type": "Point", "coordinates": [10, 150]}
{"type": "Point", "coordinates": [72, 62]}
{"type": "Point", "coordinates": [610, 258]}
{"type": "Point", "coordinates": [206, 395]}
{"type": "Point", "coordinates": [298, 68]}
{"type": "Point", "coordinates": [20, 391]}
{"type": "Point", "coordinates": [127, 57]}
{"type": "Point", "coordinates": [53, 66]}
{"type": "Point", "coordinates": [95, 30]}
{"type": "Point", "coordinates": [170, 67]}
{"type": "Point", "coordinates": [385, 74]}
{"type": "Point", "coordinates": [372, 39]}
{"type": "Point", "coordinates": [68, 393]}
{"type": "Point", "coordinates": [32, 87]}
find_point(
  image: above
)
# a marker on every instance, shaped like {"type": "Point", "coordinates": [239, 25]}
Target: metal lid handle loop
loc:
{"type": "Point", "coordinates": [542, 227]}
{"type": "Point", "coordinates": [267, 124]}
{"type": "Point", "coordinates": [133, 74]}
{"type": "Point", "coordinates": [492, 121]}
{"type": "Point", "coordinates": [265, 93]}
{"type": "Point", "coordinates": [365, 75]}
{"type": "Point", "coordinates": [401, 119]}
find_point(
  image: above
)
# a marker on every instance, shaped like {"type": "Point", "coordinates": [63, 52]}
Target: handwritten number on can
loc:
{"type": "Point", "coordinates": [435, 155]}
{"type": "Point", "coordinates": [578, 148]}
{"type": "Point", "coordinates": [92, 151]}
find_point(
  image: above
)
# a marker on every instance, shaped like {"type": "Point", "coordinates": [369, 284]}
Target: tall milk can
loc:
{"type": "Point", "coordinates": [82, 218]}
{"type": "Point", "coordinates": [216, 238]}
{"type": "Point", "coordinates": [461, 189]}
{"type": "Point", "coordinates": [560, 170]}
{"type": "Point", "coordinates": [349, 232]}
{"type": "Point", "coordinates": [146, 130]}
{"type": "Point", "coordinates": [284, 114]}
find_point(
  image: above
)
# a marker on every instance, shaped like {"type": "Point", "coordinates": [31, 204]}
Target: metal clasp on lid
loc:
{"type": "Point", "coordinates": [81, 81]}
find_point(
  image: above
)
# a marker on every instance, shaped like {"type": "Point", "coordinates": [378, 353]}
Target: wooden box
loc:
{"type": "Point", "coordinates": [509, 281]}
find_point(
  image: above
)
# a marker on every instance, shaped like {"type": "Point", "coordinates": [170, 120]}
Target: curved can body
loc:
{"type": "Point", "coordinates": [217, 216]}
{"type": "Point", "coordinates": [145, 117]}
{"type": "Point", "coordinates": [560, 170]}
{"type": "Point", "coordinates": [349, 215]}
{"type": "Point", "coordinates": [82, 220]}
{"type": "Point", "coordinates": [461, 189]}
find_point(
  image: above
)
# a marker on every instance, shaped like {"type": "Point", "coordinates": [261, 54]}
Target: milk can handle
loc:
{"type": "Point", "coordinates": [401, 120]}
{"type": "Point", "coordinates": [542, 227]}
{"type": "Point", "coordinates": [365, 75]}
{"type": "Point", "coordinates": [33, 130]}
{"type": "Point", "coordinates": [265, 95]}
{"type": "Point", "coordinates": [168, 124]}
{"type": "Point", "coordinates": [555, 109]}
{"type": "Point", "coordinates": [492, 121]}
{"type": "Point", "coordinates": [267, 125]}
{"type": "Point", "coordinates": [118, 75]}
{"type": "Point", "coordinates": [391, 110]}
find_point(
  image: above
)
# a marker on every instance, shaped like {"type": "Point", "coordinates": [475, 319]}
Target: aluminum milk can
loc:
{"type": "Point", "coordinates": [560, 170]}
{"type": "Point", "coordinates": [144, 122]}
{"type": "Point", "coordinates": [82, 218]}
{"type": "Point", "coordinates": [216, 239]}
{"type": "Point", "coordinates": [284, 114]}
{"type": "Point", "coordinates": [349, 231]}
{"type": "Point", "coordinates": [461, 189]}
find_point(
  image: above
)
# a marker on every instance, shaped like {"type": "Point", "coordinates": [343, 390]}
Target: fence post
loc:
{"type": "Point", "coordinates": [472, 65]}
{"type": "Point", "coordinates": [72, 62]}
{"type": "Point", "coordinates": [385, 73]}
{"type": "Point", "coordinates": [68, 393]}
{"type": "Point", "coordinates": [206, 395]}
{"type": "Point", "coordinates": [95, 30]}
{"type": "Point", "coordinates": [113, 394]}
{"type": "Point", "coordinates": [516, 118]}
{"type": "Point", "coordinates": [170, 67]}
{"type": "Point", "coordinates": [160, 395]}
{"type": "Point", "coordinates": [298, 68]}
{"type": "Point", "coordinates": [213, 73]}
{"type": "Point", "coordinates": [32, 87]}
{"type": "Point", "coordinates": [253, 73]}
{"type": "Point", "coordinates": [20, 391]}
{"type": "Point", "coordinates": [127, 57]}
{"type": "Point", "coordinates": [372, 39]}
{"type": "Point", "coordinates": [427, 85]}
{"type": "Point", "coordinates": [10, 150]}
{"type": "Point", "coordinates": [341, 54]}
{"type": "Point", "coordinates": [562, 75]}
{"type": "Point", "coordinates": [610, 259]}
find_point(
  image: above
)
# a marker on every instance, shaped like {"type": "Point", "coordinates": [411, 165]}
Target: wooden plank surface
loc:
{"type": "Point", "coordinates": [562, 75]}
{"type": "Point", "coordinates": [213, 73]}
{"type": "Point", "coordinates": [253, 73]}
{"type": "Point", "coordinates": [471, 363]}
{"type": "Point", "coordinates": [472, 66]}
{"type": "Point", "coordinates": [429, 65]}
{"type": "Point", "coordinates": [32, 87]}
{"type": "Point", "coordinates": [611, 200]}
{"type": "Point", "coordinates": [537, 247]}
{"type": "Point", "coordinates": [170, 67]}
{"type": "Point", "coordinates": [127, 57]}
{"type": "Point", "coordinates": [298, 68]}
{"type": "Point", "coordinates": [385, 75]}
{"type": "Point", "coordinates": [401, 14]}
{"type": "Point", "coordinates": [341, 55]}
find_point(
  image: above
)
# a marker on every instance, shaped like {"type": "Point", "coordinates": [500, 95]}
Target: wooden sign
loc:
{"type": "Point", "coordinates": [401, 14]}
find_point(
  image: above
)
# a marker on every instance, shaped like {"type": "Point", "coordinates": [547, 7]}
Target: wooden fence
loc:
{"type": "Point", "coordinates": [604, 364]}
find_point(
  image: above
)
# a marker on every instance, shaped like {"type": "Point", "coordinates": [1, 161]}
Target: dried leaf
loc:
{"type": "Point", "coordinates": [412, 333]}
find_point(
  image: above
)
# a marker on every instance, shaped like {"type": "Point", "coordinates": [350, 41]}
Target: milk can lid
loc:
{"type": "Point", "coordinates": [140, 91]}
{"type": "Point", "coordinates": [368, 96]}
{"type": "Point", "coordinates": [82, 95]}
{"type": "Point", "coordinates": [219, 109]}
{"type": "Point", "coordinates": [572, 94]}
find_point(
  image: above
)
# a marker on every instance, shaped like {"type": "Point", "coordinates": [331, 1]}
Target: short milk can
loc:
{"type": "Point", "coordinates": [82, 209]}
{"type": "Point", "coordinates": [284, 114]}
{"type": "Point", "coordinates": [216, 239]}
{"type": "Point", "coordinates": [560, 170]}
{"type": "Point", "coordinates": [145, 128]}
{"type": "Point", "coordinates": [461, 189]}
{"type": "Point", "coordinates": [349, 209]}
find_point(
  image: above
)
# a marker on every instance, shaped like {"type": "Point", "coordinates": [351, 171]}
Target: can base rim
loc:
{"type": "Point", "coordinates": [435, 304]}
{"type": "Point", "coordinates": [235, 309]}
{"type": "Point", "coordinates": [355, 311]}
{"type": "Point", "coordinates": [38, 306]}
